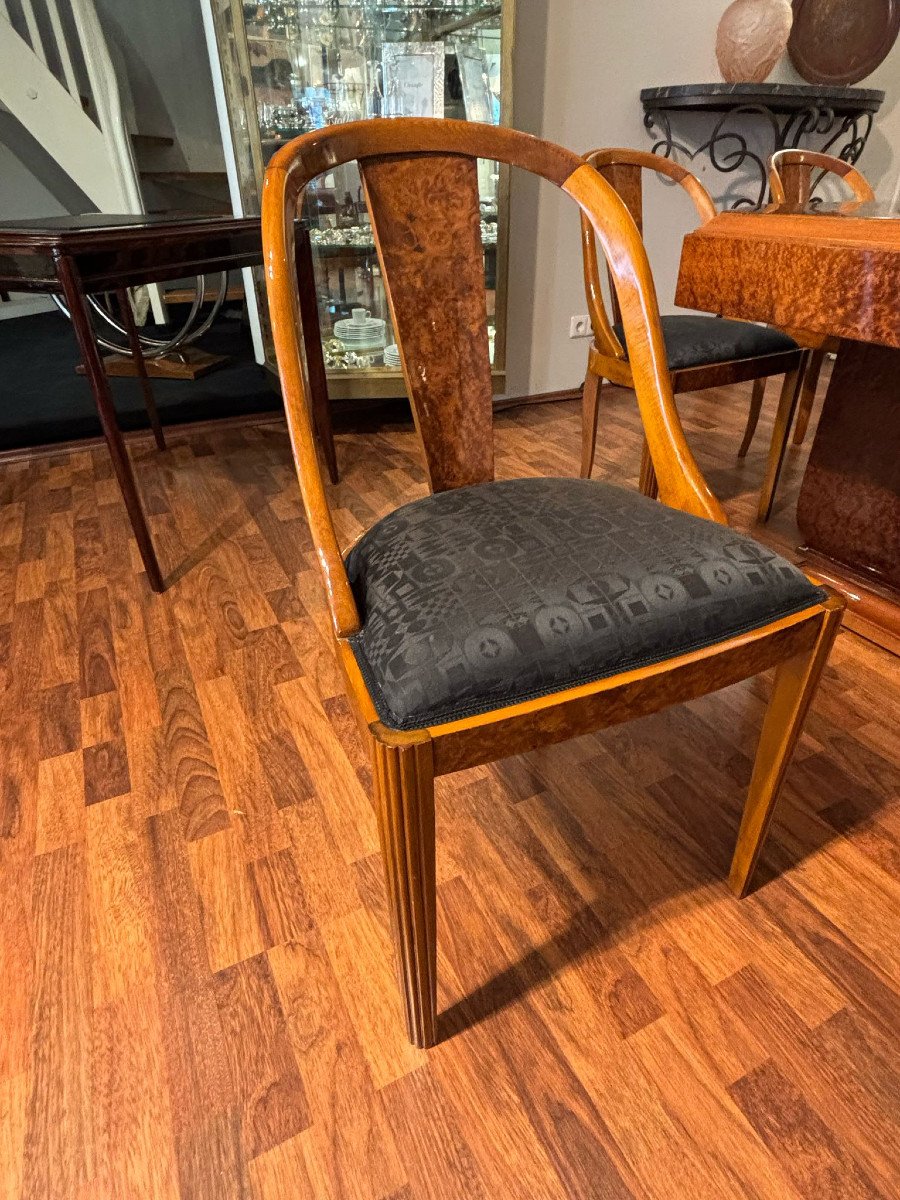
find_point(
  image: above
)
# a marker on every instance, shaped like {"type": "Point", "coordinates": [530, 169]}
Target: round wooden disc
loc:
{"type": "Point", "coordinates": [840, 42]}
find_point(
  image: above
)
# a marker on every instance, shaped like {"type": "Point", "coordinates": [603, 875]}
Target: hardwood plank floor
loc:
{"type": "Point", "coordinates": [197, 997]}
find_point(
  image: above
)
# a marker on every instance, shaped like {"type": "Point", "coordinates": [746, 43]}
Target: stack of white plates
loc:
{"type": "Point", "coordinates": [360, 335]}
{"type": "Point", "coordinates": [392, 356]}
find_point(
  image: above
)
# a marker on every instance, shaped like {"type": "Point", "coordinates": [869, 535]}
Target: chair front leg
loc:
{"type": "Point", "coordinates": [793, 690]}
{"type": "Point", "coordinates": [787, 405]}
{"type": "Point", "coordinates": [590, 408]}
{"type": "Point", "coordinates": [756, 403]}
{"type": "Point", "coordinates": [808, 395]}
{"type": "Point", "coordinates": [404, 795]}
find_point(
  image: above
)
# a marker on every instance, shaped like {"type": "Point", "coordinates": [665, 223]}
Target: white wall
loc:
{"type": "Point", "coordinates": [579, 66]}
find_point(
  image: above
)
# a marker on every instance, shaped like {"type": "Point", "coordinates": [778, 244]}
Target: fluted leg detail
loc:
{"type": "Point", "coordinates": [404, 793]}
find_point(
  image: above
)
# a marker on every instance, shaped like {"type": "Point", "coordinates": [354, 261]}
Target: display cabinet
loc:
{"type": "Point", "coordinates": [283, 67]}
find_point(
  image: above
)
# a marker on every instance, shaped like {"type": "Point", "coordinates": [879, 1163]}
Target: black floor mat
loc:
{"type": "Point", "coordinates": [43, 400]}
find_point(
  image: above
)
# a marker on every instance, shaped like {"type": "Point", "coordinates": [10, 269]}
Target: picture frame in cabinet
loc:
{"type": "Point", "coordinates": [475, 80]}
{"type": "Point", "coordinates": [413, 79]}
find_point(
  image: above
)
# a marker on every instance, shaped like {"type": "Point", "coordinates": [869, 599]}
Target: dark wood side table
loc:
{"type": "Point", "coordinates": [76, 256]}
{"type": "Point", "coordinates": [833, 270]}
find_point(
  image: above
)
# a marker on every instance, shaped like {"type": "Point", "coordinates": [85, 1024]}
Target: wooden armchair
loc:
{"type": "Point", "coordinates": [702, 351]}
{"type": "Point", "coordinates": [790, 182]}
{"type": "Point", "coordinates": [490, 618]}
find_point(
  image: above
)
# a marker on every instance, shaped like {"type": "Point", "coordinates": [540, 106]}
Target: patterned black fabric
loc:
{"type": "Point", "coordinates": [693, 339]}
{"type": "Point", "coordinates": [488, 595]}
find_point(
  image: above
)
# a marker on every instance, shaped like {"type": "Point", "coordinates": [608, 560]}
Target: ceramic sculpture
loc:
{"type": "Point", "coordinates": [751, 37]}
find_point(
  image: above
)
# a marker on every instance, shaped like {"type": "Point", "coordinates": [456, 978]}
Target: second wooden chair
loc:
{"type": "Point", "coordinates": [790, 182]}
{"type": "Point", "coordinates": [702, 351]}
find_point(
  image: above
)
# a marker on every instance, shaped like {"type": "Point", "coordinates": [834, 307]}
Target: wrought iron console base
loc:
{"type": "Point", "coordinates": [840, 117]}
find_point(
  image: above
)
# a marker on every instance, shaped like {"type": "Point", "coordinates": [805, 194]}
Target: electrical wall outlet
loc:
{"type": "Point", "coordinates": [580, 326]}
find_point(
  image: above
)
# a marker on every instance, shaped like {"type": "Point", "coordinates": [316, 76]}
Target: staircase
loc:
{"type": "Point", "coordinates": [57, 78]}
{"type": "Point", "coordinates": [66, 109]}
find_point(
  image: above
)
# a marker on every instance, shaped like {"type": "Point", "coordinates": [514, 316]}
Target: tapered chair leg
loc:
{"type": "Point", "coordinates": [590, 408]}
{"type": "Point", "coordinates": [137, 354]}
{"type": "Point", "coordinates": [787, 405]}
{"type": "Point", "coordinates": [792, 693]}
{"type": "Point", "coordinates": [756, 403]}
{"type": "Point", "coordinates": [647, 483]}
{"type": "Point", "coordinates": [808, 395]}
{"type": "Point", "coordinates": [404, 793]}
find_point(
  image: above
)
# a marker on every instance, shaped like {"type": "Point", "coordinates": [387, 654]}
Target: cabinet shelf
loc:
{"type": "Point", "coordinates": [287, 66]}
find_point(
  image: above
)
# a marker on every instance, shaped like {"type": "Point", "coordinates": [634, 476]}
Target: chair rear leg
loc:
{"type": "Point", "coordinates": [404, 794]}
{"type": "Point", "coordinates": [787, 405]}
{"type": "Point", "coordinates": [590, 408]}
{"type": "Point", "coordinates": [756, 403]}
{"type": "Point", "coordinates": [792, 693]}
{"type": "Point", "coordinates": [647, 482]}
{"type": "Point", "coordinates": [808, 395]}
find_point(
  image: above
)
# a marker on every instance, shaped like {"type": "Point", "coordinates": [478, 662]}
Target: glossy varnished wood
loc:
{"type": "Point", "coordinates": [121, 250]}
{"type": "Point", "coordinates": [404, 800]}
{"type": "Point", "coordinates": [425, 215]}
{"type": "Point", "coordinates": [781, 267]}
{"type": "Point", "coordinates": [556, 718]}
{"type": "Point", "coordinates": [781, 428]}
{"type": "Point", "coordinates": [73, 291]}
{"type": "Point", "coordinates": [792, 690]}
{"type": "Point", "coordinates": [791, 182]}
{"type": "Point", "coordinates": [833, 273]}
{"type": "Point", "coordinates": [858, 448]}
{"type": "Point", "coordinates": [790, 176]}
{"type": "Point", "coordinates": [420, 251]}
{"type": "Point", "coordinates": [134, 343]}
{"type": "Point", "coordinates": [197, 998]}
{"type": "Point", "coordinates": [623, 168]}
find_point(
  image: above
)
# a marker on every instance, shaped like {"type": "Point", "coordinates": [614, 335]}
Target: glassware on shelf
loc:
{"type": "Point", "coordinates": [292, 66]}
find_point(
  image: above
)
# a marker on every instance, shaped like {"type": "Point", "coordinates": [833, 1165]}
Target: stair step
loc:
{"type": "Point", "coordinates": [151, 139]}
{"type": "Point", "coordinates": [197, 191]}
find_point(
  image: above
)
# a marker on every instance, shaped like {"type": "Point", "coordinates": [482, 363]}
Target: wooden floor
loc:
{"type": "Point", "coordinates": [196, 992]}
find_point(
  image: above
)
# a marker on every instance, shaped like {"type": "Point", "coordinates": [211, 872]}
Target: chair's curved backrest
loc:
{"type": "Point", "coordinates": [790, 175]}
{"type": "Point", "coordinates": [622, 168]}
{"type": "Point", "coordinates": [421, 187]}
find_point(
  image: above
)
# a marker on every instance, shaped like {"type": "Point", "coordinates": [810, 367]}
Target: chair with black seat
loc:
{"type": "Point", "coordinates": [490, 618]}
{"type": "Point", "coordinates": [791, 182]}
{"type": "Point", "coordinates": [701, 351]}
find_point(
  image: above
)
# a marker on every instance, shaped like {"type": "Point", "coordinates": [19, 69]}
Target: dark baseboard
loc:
{"type": "Point", "coordinates": [350, 416]}
{"type": "Point", "coordinates": [537, 398]}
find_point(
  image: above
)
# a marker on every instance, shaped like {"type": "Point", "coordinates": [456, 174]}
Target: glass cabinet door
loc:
{"type": "Point", "coordinates": [289, 66]}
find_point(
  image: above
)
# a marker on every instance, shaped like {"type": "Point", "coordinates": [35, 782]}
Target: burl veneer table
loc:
{"type": "Point", "coordinates": [833, 270]}
{"type": "Point", "coordinates": [76, 256]}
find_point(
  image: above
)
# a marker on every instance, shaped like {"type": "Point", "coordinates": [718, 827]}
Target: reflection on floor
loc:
{"type": "Point", "coordinates": [197, 996]}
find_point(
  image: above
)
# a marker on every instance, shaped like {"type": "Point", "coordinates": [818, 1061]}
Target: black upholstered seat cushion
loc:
{"type": "Point", "coordinates": [484, 596]}
{"type": "Point", "coordinates": [693, 339]}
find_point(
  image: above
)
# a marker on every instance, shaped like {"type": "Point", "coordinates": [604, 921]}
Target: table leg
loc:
{"type": "Point", "coordinates": [848, 510]}
{"type": "Point", "coordinates": [315, 359]}
{"type": "Point", "coordinates": [137, 354]}
{"type": "Point", "coordinates": [70, 280]}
